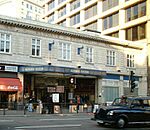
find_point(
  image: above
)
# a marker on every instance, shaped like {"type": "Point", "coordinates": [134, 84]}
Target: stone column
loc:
{"type": "Point", "coordinates": [98, 91]}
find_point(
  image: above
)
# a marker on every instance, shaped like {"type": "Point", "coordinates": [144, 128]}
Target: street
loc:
{"type": "Point", "coordinates": [56, 122]}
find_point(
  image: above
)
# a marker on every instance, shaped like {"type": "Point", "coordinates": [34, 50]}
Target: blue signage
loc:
{"type": "Point", "coordinates": [65, 70]}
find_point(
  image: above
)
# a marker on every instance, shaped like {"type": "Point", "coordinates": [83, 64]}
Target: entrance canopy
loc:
{"type": "Point", "coordinates": [10, 84]}
{"type": "Point", "coordinates": [63, 70]}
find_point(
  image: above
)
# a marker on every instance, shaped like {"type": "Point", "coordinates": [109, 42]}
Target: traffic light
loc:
{"type": "Point", "coordinates": [72, 80]}
{"type": "Point", "coordinates": [132, 81]}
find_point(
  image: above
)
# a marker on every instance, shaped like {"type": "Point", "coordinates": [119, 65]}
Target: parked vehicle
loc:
{"type": "Point", "coordinates": [124, 111]}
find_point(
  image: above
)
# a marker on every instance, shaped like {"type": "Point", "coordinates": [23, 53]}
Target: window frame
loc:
{"type": "Point", "coordinates": [130, 63]}
{"type": "Point", "coordinates": [65, 51]}
{"type": "Point", "coordinates": [6, 43]}
{"type": "Point", "coordinates": [36, 47]}
{"type": "Point", "coordinates": [89, 55]}
{"type": "Point", "coordinates": [111, 58]}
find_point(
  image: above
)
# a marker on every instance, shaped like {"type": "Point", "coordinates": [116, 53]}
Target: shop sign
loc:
{"type": "Point", "coordinates": [55, 97]}
{"type": "Point", "coordinates": [11, 68]}
{"type": "Point", "coordinates": [60, 89]}
{"type": "Point", "coordinates": [51, 89]}
{"type": "Point", "coordinates": [66, 70]}
{"type": "Point", "coordinates": [8, 88]}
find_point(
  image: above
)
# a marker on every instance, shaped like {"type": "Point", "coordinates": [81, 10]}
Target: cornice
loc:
{"type": "Point", "coordinates": [46, 27]}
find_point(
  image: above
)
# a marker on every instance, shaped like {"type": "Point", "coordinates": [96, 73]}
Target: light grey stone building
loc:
{"type": "Point", "coordinates": [44, 58]}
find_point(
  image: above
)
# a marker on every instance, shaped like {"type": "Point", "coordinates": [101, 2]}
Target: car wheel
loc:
{"type": "Point", "coordinates": [121, 122]}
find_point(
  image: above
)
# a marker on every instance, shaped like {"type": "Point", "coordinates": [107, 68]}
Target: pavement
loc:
{"type": "Point", "coordinates": [17, 113]}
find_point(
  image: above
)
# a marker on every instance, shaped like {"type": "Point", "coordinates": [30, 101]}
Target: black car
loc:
{"type": "Point", "coordinates": [124, 111]}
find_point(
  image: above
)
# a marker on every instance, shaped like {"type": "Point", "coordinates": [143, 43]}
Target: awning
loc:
{"type": "Point", "coordinates": [10, 84]}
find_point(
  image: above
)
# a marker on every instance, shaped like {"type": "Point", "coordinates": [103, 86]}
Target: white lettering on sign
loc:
{"type": "Point", "coordinates": [11, 68]}
{"type": "Point", "coordinates": [13, 87]}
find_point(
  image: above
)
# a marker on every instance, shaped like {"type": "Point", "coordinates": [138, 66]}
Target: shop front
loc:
{"type": "Point", "coordinates": [41, 83]}
{"type": "Point", "coordinates": [9, 90]}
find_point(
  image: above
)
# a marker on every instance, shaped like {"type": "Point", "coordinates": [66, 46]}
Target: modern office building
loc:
{"type": "Point", "coordinates": [25, 9]}
{"type": "Point", "coordinates": [124, 19]}
{"type": "Point", "coordinates": [38, 59]}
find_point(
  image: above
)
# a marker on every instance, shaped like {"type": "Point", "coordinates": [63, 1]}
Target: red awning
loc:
{"type": "Point", "coordinates": [10, 84]}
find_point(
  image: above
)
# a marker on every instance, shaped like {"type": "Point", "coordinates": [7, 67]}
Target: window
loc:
{"type": "Point", "coordinates": [5, 42]}
{"type": "Point", "coordinates": [36, 47]}
{"type": "Point", "coordinates": [136, 33]}
{"type": "Point", "coordinates": [115, 34]}
{"type": "Point", "coordinates": [51, 5]}
{"type": "Point", "coordinates": [110, 93]}
{"type": "Point", "coordinates": [75, 19]}
{"type": "Point", "coordinates": [130, 60]}
{"type": "Point", "coordinates": [108, 4]}
{"type": "Point", "coordinates": [74, 5]}
{"type": "Point", "coordinates": [62, 23]}
{"type": "Point", "coordinates": [136, 11]}
{"type": "Point", "coordinates": [110, 21]}
{"type": "Point", "coordinates": [111, 58]}
{"type": "Point", "coordinates": [89, 55]}
{"type": "Point", "coordinates": [65, 51]}
{"type": "Point", "coordinates": [60, 1]}
{"type": "Point", "coordinates": [86, 1]}
{"type": "Point", "coordinates": [51, 18]}
{"type": "Point", "coordinates": [92, 26]}
{"type": "Point", "coordinates": [62, 12]}
{"type": "Point", "coordinates": [90, 12]}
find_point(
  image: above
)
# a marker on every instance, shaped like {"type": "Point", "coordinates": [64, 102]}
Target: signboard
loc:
{"type": "Point", "coordinates": [60, 89]}
{"type": "Point", "coordinates": [55, 97]}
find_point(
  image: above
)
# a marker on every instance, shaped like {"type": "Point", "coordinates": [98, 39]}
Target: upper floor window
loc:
{"type": "Point", "coordinates": [136, 11]}
{"type": "Point", "coordinates": [61, 12]}
{"type": "Point", "coordinates": [36, 47]}
{"type": "Point", "coordinates": [110, 21]}
{"type": "Point", "coordinates": [65, 51]}
{"type": "Point", "coordinates": [111, 58]}
{"type": "Point", "coordinates": [115, 34]}
{"type": "Point", "coordinates": [90, 12]}
{"type": "Point", "coordinates": [51, 5]}
{"type": "Point", "coordinates": [92, 26]}
{"type": "Point", "coordinates": [86, 1]}
{"type": "Point", "coordinates": [130, 60]}
{"type": "Point", "coordinates": [62, 23]}
{"type": "Point", "coordinates": [60, 1]}
{"type": "Point", "coordinates": [51, 18]}
{"type": "Point", "coordinates": [89, 54]}
{"type": "Point", "coordinates": [75, 19]}
{"type": "Point", "coordinates": [136, 33]}
{"type": "Point", "coordinates": [5, 43]}
{"type": "Point", "coordinates": [108, 4]}
{"type": "Point", "coordinates": [74, 5]}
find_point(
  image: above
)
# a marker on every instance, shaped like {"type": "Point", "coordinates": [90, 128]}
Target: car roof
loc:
{"type": "Point", "coordinates": [139, 98]}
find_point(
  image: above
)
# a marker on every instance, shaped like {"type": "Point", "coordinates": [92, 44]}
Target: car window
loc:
{"type": "Point", "coordinates": [120, 102]}
{"type": "Point", "coordinates": [146, 103]}
{"type": "Point", "coordinates": [137, 104]}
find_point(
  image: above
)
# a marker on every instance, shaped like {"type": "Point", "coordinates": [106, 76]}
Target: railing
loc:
{"type": "Point", "coordinates": [14, 108]}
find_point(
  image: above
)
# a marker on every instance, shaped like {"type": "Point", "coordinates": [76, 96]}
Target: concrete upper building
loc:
{"type": "Point", "coordinates": [125, 19]}
{"type": "Point", "coordinates": [28, 9]}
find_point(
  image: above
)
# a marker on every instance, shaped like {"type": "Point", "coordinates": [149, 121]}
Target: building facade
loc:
{"type": "Point", "coordinates": [25, 9]}
{"type": "Point", "coordinates": [125, 19]}
{"type": "Point", "coordinates": [44, 57]}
